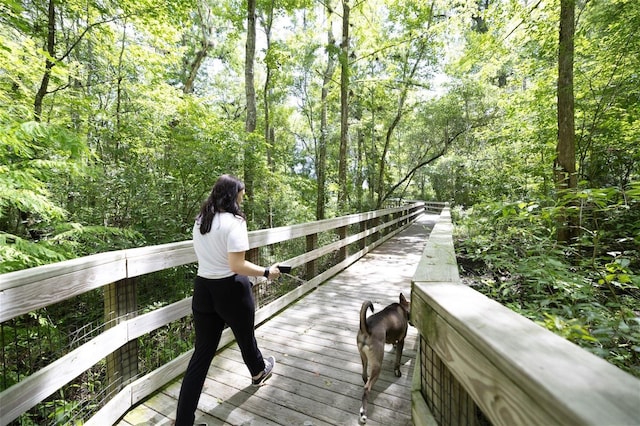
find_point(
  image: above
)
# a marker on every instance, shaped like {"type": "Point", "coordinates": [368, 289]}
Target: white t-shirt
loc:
{"type": "Point", "coordinates": [228, 234]}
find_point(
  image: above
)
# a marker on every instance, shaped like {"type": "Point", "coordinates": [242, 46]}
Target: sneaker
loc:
{"type": "Point", "coordinates": [269, 363]}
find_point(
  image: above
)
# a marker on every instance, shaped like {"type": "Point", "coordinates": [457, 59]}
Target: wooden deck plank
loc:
{"type": "Point", "coordinates": [230, 399]}
{"type": "Point", "coordinates": [338, 354]}
{"type": "Point", "coordinates": [317, 376]}
{"type": "Point", "coordinates": [336, 350]}
{"type": "Point", "coordinates": [325, 389]}
{"type": "Point", "coordinates": [151, 412]}
{"type": "Point", "coordinates": [324, 374]}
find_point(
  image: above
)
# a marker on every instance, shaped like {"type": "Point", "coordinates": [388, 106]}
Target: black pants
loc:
{"type": "Point", "coordinates": [216, 303]}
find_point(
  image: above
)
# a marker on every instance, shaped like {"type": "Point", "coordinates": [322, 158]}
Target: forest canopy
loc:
{"type": "Point", "coordinates": [117, 116]}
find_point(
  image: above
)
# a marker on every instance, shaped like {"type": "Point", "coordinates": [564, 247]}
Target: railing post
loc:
{"type": "Point", "coordinates": [382, 220]}
{"type": "Point", "coordinates": [253, 256]}
{"type": "Point", "coordinates": [376, 235]}
{"type": "Point", "coordinates": [120, 303]}
{"type": "Point", "coordinates": [311, 266]}
{"type": "Point", "coordinates": [344, 250]}
{"type": "Point", "coordinates": [363, 241]}
{"type": "Point", "coordinates": [370, 238]}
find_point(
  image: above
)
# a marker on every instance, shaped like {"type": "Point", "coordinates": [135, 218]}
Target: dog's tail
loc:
{"type": "Point", "coordinates": [363, 316]}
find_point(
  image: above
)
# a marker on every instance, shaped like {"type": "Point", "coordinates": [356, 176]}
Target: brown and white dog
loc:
{"type": "Point", "coordinates": [387, 326]}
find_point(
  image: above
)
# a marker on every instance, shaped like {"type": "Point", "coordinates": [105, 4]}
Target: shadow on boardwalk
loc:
{"type": "Point", "coordinates": [317, 379]}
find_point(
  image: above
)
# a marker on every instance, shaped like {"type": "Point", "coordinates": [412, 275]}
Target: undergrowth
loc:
{"type": "Point", "coordinates": [587, 291]}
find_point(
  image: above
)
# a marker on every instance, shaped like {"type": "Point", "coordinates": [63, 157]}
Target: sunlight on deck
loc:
{"type": "Point", "coordinates": [317, 377]}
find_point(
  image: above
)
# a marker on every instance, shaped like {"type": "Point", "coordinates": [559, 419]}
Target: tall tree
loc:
{"type": "Point", "coordinates": [250, 97]}
{"type": "Point", "coordinates": [49, 61]}
{"type": "Point", "coordinates": [344, 107]}
{"type": "Point", "coordinates": [201, 50]}
{"type": "Point", "coordinates": [409, 71]}
{"type": "Point", "coordinates": [57, 54]}
{"type": "Point", "coordinates": [269, 131]}
{"type": "Point", "coordinates": [565, 162]}
{"type": "Point", "coordinates": [321, 156]}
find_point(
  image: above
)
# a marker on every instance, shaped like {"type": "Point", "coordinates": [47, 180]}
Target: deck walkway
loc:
{"type": "Point", "coordinates": [317, 376]}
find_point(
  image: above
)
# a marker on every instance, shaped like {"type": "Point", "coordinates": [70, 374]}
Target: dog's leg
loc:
{"type": "Point", "coordinates": [363, 407]}
{"type": "Point", "coordinates": [363, 357]}
{"type": "Point", "coordinates": [375, 372]}
{"type": "Point", "coordinates": [396, 367]}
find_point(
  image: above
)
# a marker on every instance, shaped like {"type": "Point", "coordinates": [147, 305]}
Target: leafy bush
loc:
{"type": "Point", "coordinates": [587, 292]}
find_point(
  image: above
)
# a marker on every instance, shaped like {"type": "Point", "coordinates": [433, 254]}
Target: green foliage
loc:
{"type": "Point", "coordinates": [36, 159]}
{"type": "Point", "coordinates": [588, 293]}
{"type": "Point", "coordinates": [17, 253]}
{"type": "Point", "coordinates": [123, 157]}
{"type": "Point", "coordinates": [80, 240]}
{"type": "Point", "coordinates": [32, 154]}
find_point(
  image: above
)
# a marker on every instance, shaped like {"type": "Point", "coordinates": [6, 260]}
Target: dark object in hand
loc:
{"type": "Point", "coordinates": [284, 269]}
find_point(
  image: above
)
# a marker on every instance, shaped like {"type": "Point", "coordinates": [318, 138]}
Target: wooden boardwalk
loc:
{"type": "Point", "coordinates": [316, 380]}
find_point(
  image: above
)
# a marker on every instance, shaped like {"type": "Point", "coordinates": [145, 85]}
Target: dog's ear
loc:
{"type": "Point", "coordinates": [404, 302]}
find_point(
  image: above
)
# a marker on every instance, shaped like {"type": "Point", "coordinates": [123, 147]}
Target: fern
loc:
{"type": "Point", "coordinates": [17, 253]}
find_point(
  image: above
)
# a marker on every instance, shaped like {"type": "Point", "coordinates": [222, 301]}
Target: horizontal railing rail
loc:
{"type": "Point", "coordinates": [480, 363]}
{"type": "Point", "coordinates": [345, 238]}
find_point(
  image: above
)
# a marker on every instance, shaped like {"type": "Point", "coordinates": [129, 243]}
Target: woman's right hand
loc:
{"type": "Point", "coordinates": [274, 272]}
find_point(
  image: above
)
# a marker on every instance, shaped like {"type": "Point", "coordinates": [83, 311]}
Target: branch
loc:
{"type": "Point", "coordinates": [84, 32]}
{"type": "Point", "coordinates": [420, 165]}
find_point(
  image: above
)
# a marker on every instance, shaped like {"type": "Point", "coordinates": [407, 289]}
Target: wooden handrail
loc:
{"type": "Point", "coordinates": [517, 372]}
{"type": "Point", "coordinates": [24, 291]}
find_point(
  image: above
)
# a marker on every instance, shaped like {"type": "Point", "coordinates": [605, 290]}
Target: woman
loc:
{"type": "Point", "coordinates": [222, 292]}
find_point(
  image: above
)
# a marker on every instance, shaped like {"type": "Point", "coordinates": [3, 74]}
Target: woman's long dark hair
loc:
{"type": "Point", "coordinates": [223, 198]}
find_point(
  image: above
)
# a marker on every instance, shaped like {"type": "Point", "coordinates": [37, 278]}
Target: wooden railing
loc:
{"type": "Point", "coordinates": [481, 363]}
{"type": "Point", "coordinates": [24, 291]}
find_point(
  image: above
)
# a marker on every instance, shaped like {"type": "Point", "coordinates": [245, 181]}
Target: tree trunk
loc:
{"type": "Point", "coordinates": [206, 44]}
{"type": "Point", "coordinates": [565, 163]}
{"type": "Point", "coordinates": [344, 108]}
{"type": "Point", "coordinates": [250, 94]}
{"type": "Point", "coordinates": [194, 66]}
{"type": "Point", "coordinates": [359, 179]}
{"type": "Point", "coordinates": [268, 128]}
{"type": "Point", "coordinates": [269, 131]}
{"type": "Point", "coordinates": [408, 78]}
{"type": "Point", "coordinates": [321, 159]}
{"type": "Point", "coordinates": [250, 91]}
{"type": "Point", "coordinates": [49, 64]}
